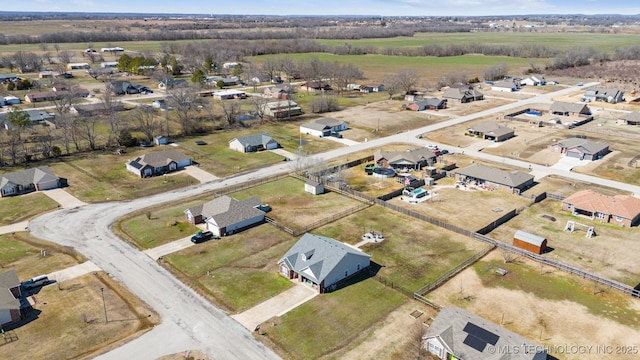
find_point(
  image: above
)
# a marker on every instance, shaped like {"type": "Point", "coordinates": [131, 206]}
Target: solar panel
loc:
{"type": "Point", "coordinates": [482, 334]}
{"type": "Point", "coordinates": [475, 342]}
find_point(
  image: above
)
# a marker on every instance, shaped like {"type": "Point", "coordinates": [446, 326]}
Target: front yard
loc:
{"type": "Point", "coordinates": [19, 208]}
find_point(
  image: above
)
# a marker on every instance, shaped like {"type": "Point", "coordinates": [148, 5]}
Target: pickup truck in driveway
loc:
{"type": "Point", "coordinates": [203, 236]}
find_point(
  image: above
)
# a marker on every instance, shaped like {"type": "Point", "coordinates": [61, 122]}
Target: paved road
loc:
{"type": "Point", "coordinates": [189, 321]}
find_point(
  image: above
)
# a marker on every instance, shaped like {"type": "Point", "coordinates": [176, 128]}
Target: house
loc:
{"type": "Point", "coordinates": [229, 94]}
{"type": "Point", "coordinates": [532, 81]}
{"type": "Point", "coordinates": [582, 149]}
{"type": "Point", "coordinates": [280, 91]}
{"type": "Point", "coordinates": [491, 131]}
{"type": "Point", "coordinates": [322, 262]}
{"type": "Point", "coordinates": [227, 81]}
{"type": "Point", "coordinates": [622, 210]}
{"type": "Point", "coordinates": [48, 74]}
{"type": "Point", "coordinates": [160, 140]}
{"type": "Point", "coordinates": [35, 117]}
{"type": "Point", "coordinates": [612, 96]}
{"type": "Point", "coordinates": [463, 95]}
{"type": "Point", "coordinates": [506, 85]}
{"type": "Point", "coordinates": [29, 180]}
{"type": "Point", "coordinates": [253, 143]}
{"type": "Point", "coordinates": [5, 78]}
{"type": "Point", "coordinates": [112, 49]}
{"type": "Point", "coordinates": [9, 297]}
{"type": "Point", "coordinates": [159, 104]}
{"type": "Point", "coordinates": [569, 109]}
{"type": "Point", "coordinates": [428, 104]}
{"type": "Point", "coordinates": [632, 118]}
{"type": "Point", "coordinates": [313, 187]}
{"type": "Point", "coordinates": [316, 86]}
{"type": "Point", "coordinates": [371, 88]}
{"type": "Point", "coordinates": [492, 178]}
{"type": "Point", "coordinates": [172, 83]}
{"type": "Point", "coordinates": [282, 108]}
{"type": "Point", "coordinates": [458, 334]}
{"type": "Point", "coordinates": [11, 100]}
{"type": "Point", "coordinates": [109, 65]}
{"type": "Point", "coordinates": [122, 88]}
{"type": "Point", "coordinates": [34, 97]}
{"type": "Point", "coordinates": [158, 163]}
{"type": "Point", "coordinates": [225, 215]}
{"type": "Point", "coordinates": [414, 158]}
{"type": "Point", "coordinates": [230, 65]}
{"type": "Point", "coordinates": [98, 109]}
{"type": "Point", "coordinates": [530, 242]}
{"type": "Point", "coordinates": [78, 66]}
{"type": "Point", "coordinates": [323, 127]}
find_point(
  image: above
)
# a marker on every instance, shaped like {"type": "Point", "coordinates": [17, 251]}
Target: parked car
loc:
{"type": "Point", "coordinates": [432, 146]}
{"type": "Point", "coordinates": [444, 152]}
{"type": "Point", "coordinates": [264, 207]}
{"type": "Point", "coordinates": [580, 84]}
{"type": "Point", "coordinates": [36, 282]}
{"type": "Point", "coordinates": [202, 236]}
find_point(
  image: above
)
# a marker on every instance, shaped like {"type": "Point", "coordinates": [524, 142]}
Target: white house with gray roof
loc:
{"type": "Point", "coordinates": [491, 178]}
{"type": "Point", "coordinates": [632, 118]}
{"type": "Point", "coordinates": [322, 262]}
{"type": "Point", "coordinates": [491, 131]}
{"type": "Point", "coordinates": [569, 109]}
{"type": "Point", "coordinates": [323, 127]}
{"type": "Point", "coordinates": [582, 149]}
{"type": "Point", "coordinates": [609, 95]}
{"type": "Point", "coordinates": [253, 143]}
{"type": "Point", "coordinates": [158, 163]}
{"type": "Point", "coordinates": [9, 295]}
{"type": "Point", "coordinates": [29, 180]}
{"type": "Point", "coordinates": [225, 215]}
{"type": "Point", "coordinates": [458, 334]}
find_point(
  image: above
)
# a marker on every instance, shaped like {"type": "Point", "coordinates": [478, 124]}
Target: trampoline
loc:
{"type": "Point", "coordinates": [384, 172]}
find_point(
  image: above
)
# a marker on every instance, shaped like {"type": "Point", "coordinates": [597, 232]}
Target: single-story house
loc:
{"type": "Point", "coordinates": [532, 81]}
{"type": "Point", "coordinates": [225, 215]}
{"type": "Point", "coordinates": [35, 117]}
{"type": "Point", "coordinates": [322, 262]}
{"type": "Point", "coordinates": [34, 97]}
{"type": "Point", "coordinates": [158, 163]}
{"type": "Point", "coordinates": [568, 109]}
{"type": "Point", "coordinates": [97, 109]}
{"type": "Point", "coordinates": [463, 95]}
{"type": "Point", "coordinates": [227, 81]}
{"type": "Point", "coordinates": [253, 143]}
{"type": "Point", "coordinates": [488, 177]}
{"type": "Point", "coordinates": [458, 334]}
{"type": "Point", "coordinates": [622, 210]}
{"type": "Point", "coordinates": [5, 78]}
{"type": "Point", "coordinates": [313, 187]}
{"type": "Point", "coordinates": [230, 65]}
{"type": "Point", "coordinates": [491, 131]}
{"type": "Point", "coordinates": [428, 104]}
{"type": "Point", "coordinates": [371, 87]}
{"type": "Point", "coordinates": [159, 104]}
{"type": "Point", "coordinates": [507, 85]}
{"type": "Point", "coordinates": [612, 96]}
{"type": "Point", "coordinates": [323, 127]}
{"type": "Point", "coordinates": [109, 64]}
{"type": "Point", "coordinates": [125, 87]}
{"type": "Point", "coordinates": [282, 108]}
{"type": "Point", "coordinates": [280, 91]}
{"type": "Point", "coordinates": [78, 66]}
{"type": "Point", "coordinates": [530, 242]}
{"type": "Point", "coordinates": [632, 118]}
{"type": "Point", "coordinates": [29, 180]}
{"type": "Point", "coordinates": [9, 297]}
{"type": "Point", "coordinates": [11, 100]}
{"type": "Point", "coordinates": [48, 74]}
{"type": "Point", "coordinates": [172, 83]}
{"type": "Point", "coordinates": [582, 149]}
{"type": "Point", "coordinates": [414, 158]}
{"type": "Point", "coordinates": [229, 94]}
{"type": "Point", "coordinates": [316, 86]}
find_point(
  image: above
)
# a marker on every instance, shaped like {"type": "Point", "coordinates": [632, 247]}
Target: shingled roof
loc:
{"type": "Point", "coordinates": [225, 210]}
{"type": "Point", "coordinates": [29, 176]}
{"type": "Point", "coordinates": [408, 157]}
{"type": "Point", "coordinates": [8, 280]}
{"type": "Point", "coordinates": [497, 176]}
{"type": "Point", "coordinates": [624, 206]}
{"type": "Point", "coordinates": [158, 158]}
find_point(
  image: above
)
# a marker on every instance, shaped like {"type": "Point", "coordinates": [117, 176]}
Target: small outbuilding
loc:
{"type": "Point", "coordinates": [160, 140]}
{"type": "Point", "coordinates": [313, 187]}
{"type": "Point", "coordinates": [530, 242]}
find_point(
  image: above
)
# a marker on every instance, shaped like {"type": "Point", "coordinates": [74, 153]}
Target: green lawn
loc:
{"type": "Point", "coordinates": [18, 208]}
{"type": "Point", "coordinates": [331, 321]}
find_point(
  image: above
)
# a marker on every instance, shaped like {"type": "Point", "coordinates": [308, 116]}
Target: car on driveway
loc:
{"type": "Point", "coordinates": [202, 236]}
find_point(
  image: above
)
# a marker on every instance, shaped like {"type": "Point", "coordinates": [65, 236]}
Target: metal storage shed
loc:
{"type": "Point", "coordinates": [530, 242]}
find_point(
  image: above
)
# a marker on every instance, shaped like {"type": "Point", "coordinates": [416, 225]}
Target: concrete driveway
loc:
{"type": "Point", "coordinates": [199, 174]}
{"type": "Point", "coordinates": [276, 306]}
{"type": "Point", "coordinates": [567, 163]}
{"type": "Point", "coordinates": [15, 227]}
{"type": "Point", "coordinates": [166, 249]}
{"type": "Point", "coordinates": [74, 271]}
{"type": "Point", "coordinates": [63, 198]}
{"type": "Point", "coordinates": [285, 153]}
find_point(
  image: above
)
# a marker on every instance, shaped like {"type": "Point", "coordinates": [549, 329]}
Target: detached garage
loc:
{"type": "Point", "coordinates": [530, 242]}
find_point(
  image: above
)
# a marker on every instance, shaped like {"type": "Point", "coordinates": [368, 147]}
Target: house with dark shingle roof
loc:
{"type": "Point", "coordinates": [623, 210]}
{"type": "Point", "coordinates": [463, 95]}
{"type": "Point", "coordinates": [506, 85]}
{"type": "Point", "coordinates": [416, 158]}
{"type": "Point", "coordinates": [491, 178]}
{"type": "Point", "coordinates": [9, 297]}
{"type": "Point", "coordinates": [582, 149]}
{"type": "Point", "coordinates": [428, 104]}
{"type": "Point", "coordinates": [225, 215]}
{"type": "Point", "coordinates": [323, 127]}
{"type": "Point", "coordinates": [253, 143]}
{"type": "Point", "coordinates": [569, 109]}
{"type": "Point", "coordinates": [491, 131]}
{"type": "Point", "coordinates": [458, 334]}
{"type": "Point", "coordinates": [632, 118]}
{"type": "Point", "coordinates": [29, 180]}
{"type": "Point", "coordinates": [609, 95]}
{"type": "Point", "coordinates": [158, 163]}
{"type": "Point", "coordinates": [322, 262]}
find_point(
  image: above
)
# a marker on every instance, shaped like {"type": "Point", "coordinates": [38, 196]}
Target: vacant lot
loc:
{"type": "Point", "coordinates": [612, 253]}
{"type": "Point", "coordinates": [544, 305]}
{"type": "Point", "coordinates": [23, 207]}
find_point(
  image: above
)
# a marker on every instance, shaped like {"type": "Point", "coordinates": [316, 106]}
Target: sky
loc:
{"type": "Point", "coordinates": [334, 7]}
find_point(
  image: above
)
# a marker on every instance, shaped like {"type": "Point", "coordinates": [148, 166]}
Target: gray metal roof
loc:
{"type": "Point", "coordinates": [317, 256]}
{"type": "Point", "coordinates": [528, 237]}
{"type": "Point", "coordinates": [8, 280]}
{"type": "Point", "coordinates": [37, 175]}
{"type": "Point", "coordinates": [497, 176]}
{"type": "Point", "coordinates": [470, 336]}
{"type": "Point", "coordinates": [225, 211]}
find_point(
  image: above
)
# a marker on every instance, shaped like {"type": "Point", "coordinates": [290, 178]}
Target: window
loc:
{"type": "Point", "coordinates": [358, 267]}
{"type": "Point", "coordinates": [346, 273]}
{"type": "Point", "coordinates": [600, 215]}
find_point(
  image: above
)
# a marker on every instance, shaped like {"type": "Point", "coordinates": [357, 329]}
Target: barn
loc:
{"type": "Point", "coordinates": [530, 242]}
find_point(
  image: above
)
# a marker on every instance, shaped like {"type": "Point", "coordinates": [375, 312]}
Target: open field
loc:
{"type": "Point", "coordinates": [612, 253]}
{"type": "Point", "coordinates": [544, 305]}
{"type": "Point", "coordinates": [23, 207]}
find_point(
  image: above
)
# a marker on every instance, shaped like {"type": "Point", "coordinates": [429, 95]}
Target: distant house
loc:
{"type": "Point", "coordinates": [159, 104]}
{"type": "Point", "coordinates": [458, 334]}
{"type": "Point", "coordinates": [280, 91]}
{"type": "Point", "coordinates": [316, 86]}
{"type": "Point", "coordinates": [11, 100]}
{"type": "Point", "coordinates": [34, 97]}
{"type": "Point", "coordinates": [226, 81]}
{"type": "Point", "coordinates": [622, 210]}
{"type": "Point", "coordinates": [507, 85]}
{"type": "Point", "coordinates": [225, 215]}
{"type": "Point", "coordinates": [612, 96]}
{"type": "Point", "coordinates": [323, 127]}
{"type": "Point", "coordinates": [5, 78]}
{"type": "Point", "coordinates": [569, 109]}
{"type": "Point", "coordinates": [29, 180]}
{"type": "Point", "coordinates": [109, 65]}
{"type": "Point", "coordinates": [491, 131]}
{"type": "Point", "coordinates": [313, 187]}
{"type": "Point", "coordinates": [160, 140]}
{"type": "Point", "coordinates": [112, 49]}
{"type": "Point", "coordinates": [281, 109]}
{"type": "Point", "coordinates": [48, 74]}
{"type": "Point", "coordinates": [417, 158]}
{"type": "Point", "coordinates": [322, 262]}
{"type": "Point", "coordinates": [10, 294]}
{"type": "Point", "coordinates": [253, 143]}
{"type": "Point", "coordinates": [428, 104]}
{"type": "Point", "coordinates": [78, 66]}
{"type": "Point", "coordinates": [492, 178]}
{"type": "Point", "coordinates": [172, 83]}
{"type": "Point", "coordinates": [581, 148]}
{"type": "Point", "coordinates": [35, 117]}
{"type": "Point", "coordinates": [463, 95]}
{"type": "Point", "coordinates": [230, 65]}
{"type": "Point", "coordinates": [158, 163]}
{"type": "Point", "coordinates": [98, 109]}
{"type": "Point", "coordinates": [229, 94]}
{"type": "Point", "coordinates": [530, 242]}
{"type": "Point", "coordinates": [371, 88]}
{"type": "Point", "coordinates": [632, 118]}
{"type": "Point", "coordinates": [533, 81]}
{"type": "Point", "coordinates": [122, 88]}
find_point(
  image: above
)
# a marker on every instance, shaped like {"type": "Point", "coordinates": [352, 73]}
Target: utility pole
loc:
{"type": "Point", "coordinates": [104, 305]}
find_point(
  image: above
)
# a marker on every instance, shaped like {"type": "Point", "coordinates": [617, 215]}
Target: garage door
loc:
{"type": "Point", "coordinates": [574, 154]}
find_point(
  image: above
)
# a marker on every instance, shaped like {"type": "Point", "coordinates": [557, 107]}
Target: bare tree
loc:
{"type": "Point", "coordinates": [417, 341]}
{"type": "Point", "coordinates": [182, 99]}
{"type": "Point", "coordinates": [391, 85]}
{"type": "Point", "coordinates": [110, 105]}
{"type": "Point", "coordinates": [271, 67]}
{"type": "Point", "coordinates": [407, 80]}
{"type": "Point", "coordinates": [230, 110]}
{"type": "Point", "coordinates": [147, 121]}
{"type": "Point", "coordinates": [260, 106]}
{"type": "Point", "coordinates": [86, 127]}
{"type": "Point", "coordinates": [496, 72]}
{"type": "Point", "coordinates": [64, 58]}
{"type": "Point", "coordinates": [343, 75]}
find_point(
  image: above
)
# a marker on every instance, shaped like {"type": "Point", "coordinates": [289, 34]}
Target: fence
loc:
{"type": "Point", "coordinates": [503, 219]}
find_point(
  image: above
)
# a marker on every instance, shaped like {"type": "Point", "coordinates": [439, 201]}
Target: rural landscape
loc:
{"type": "Point", "coordinates": [187, 186]}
